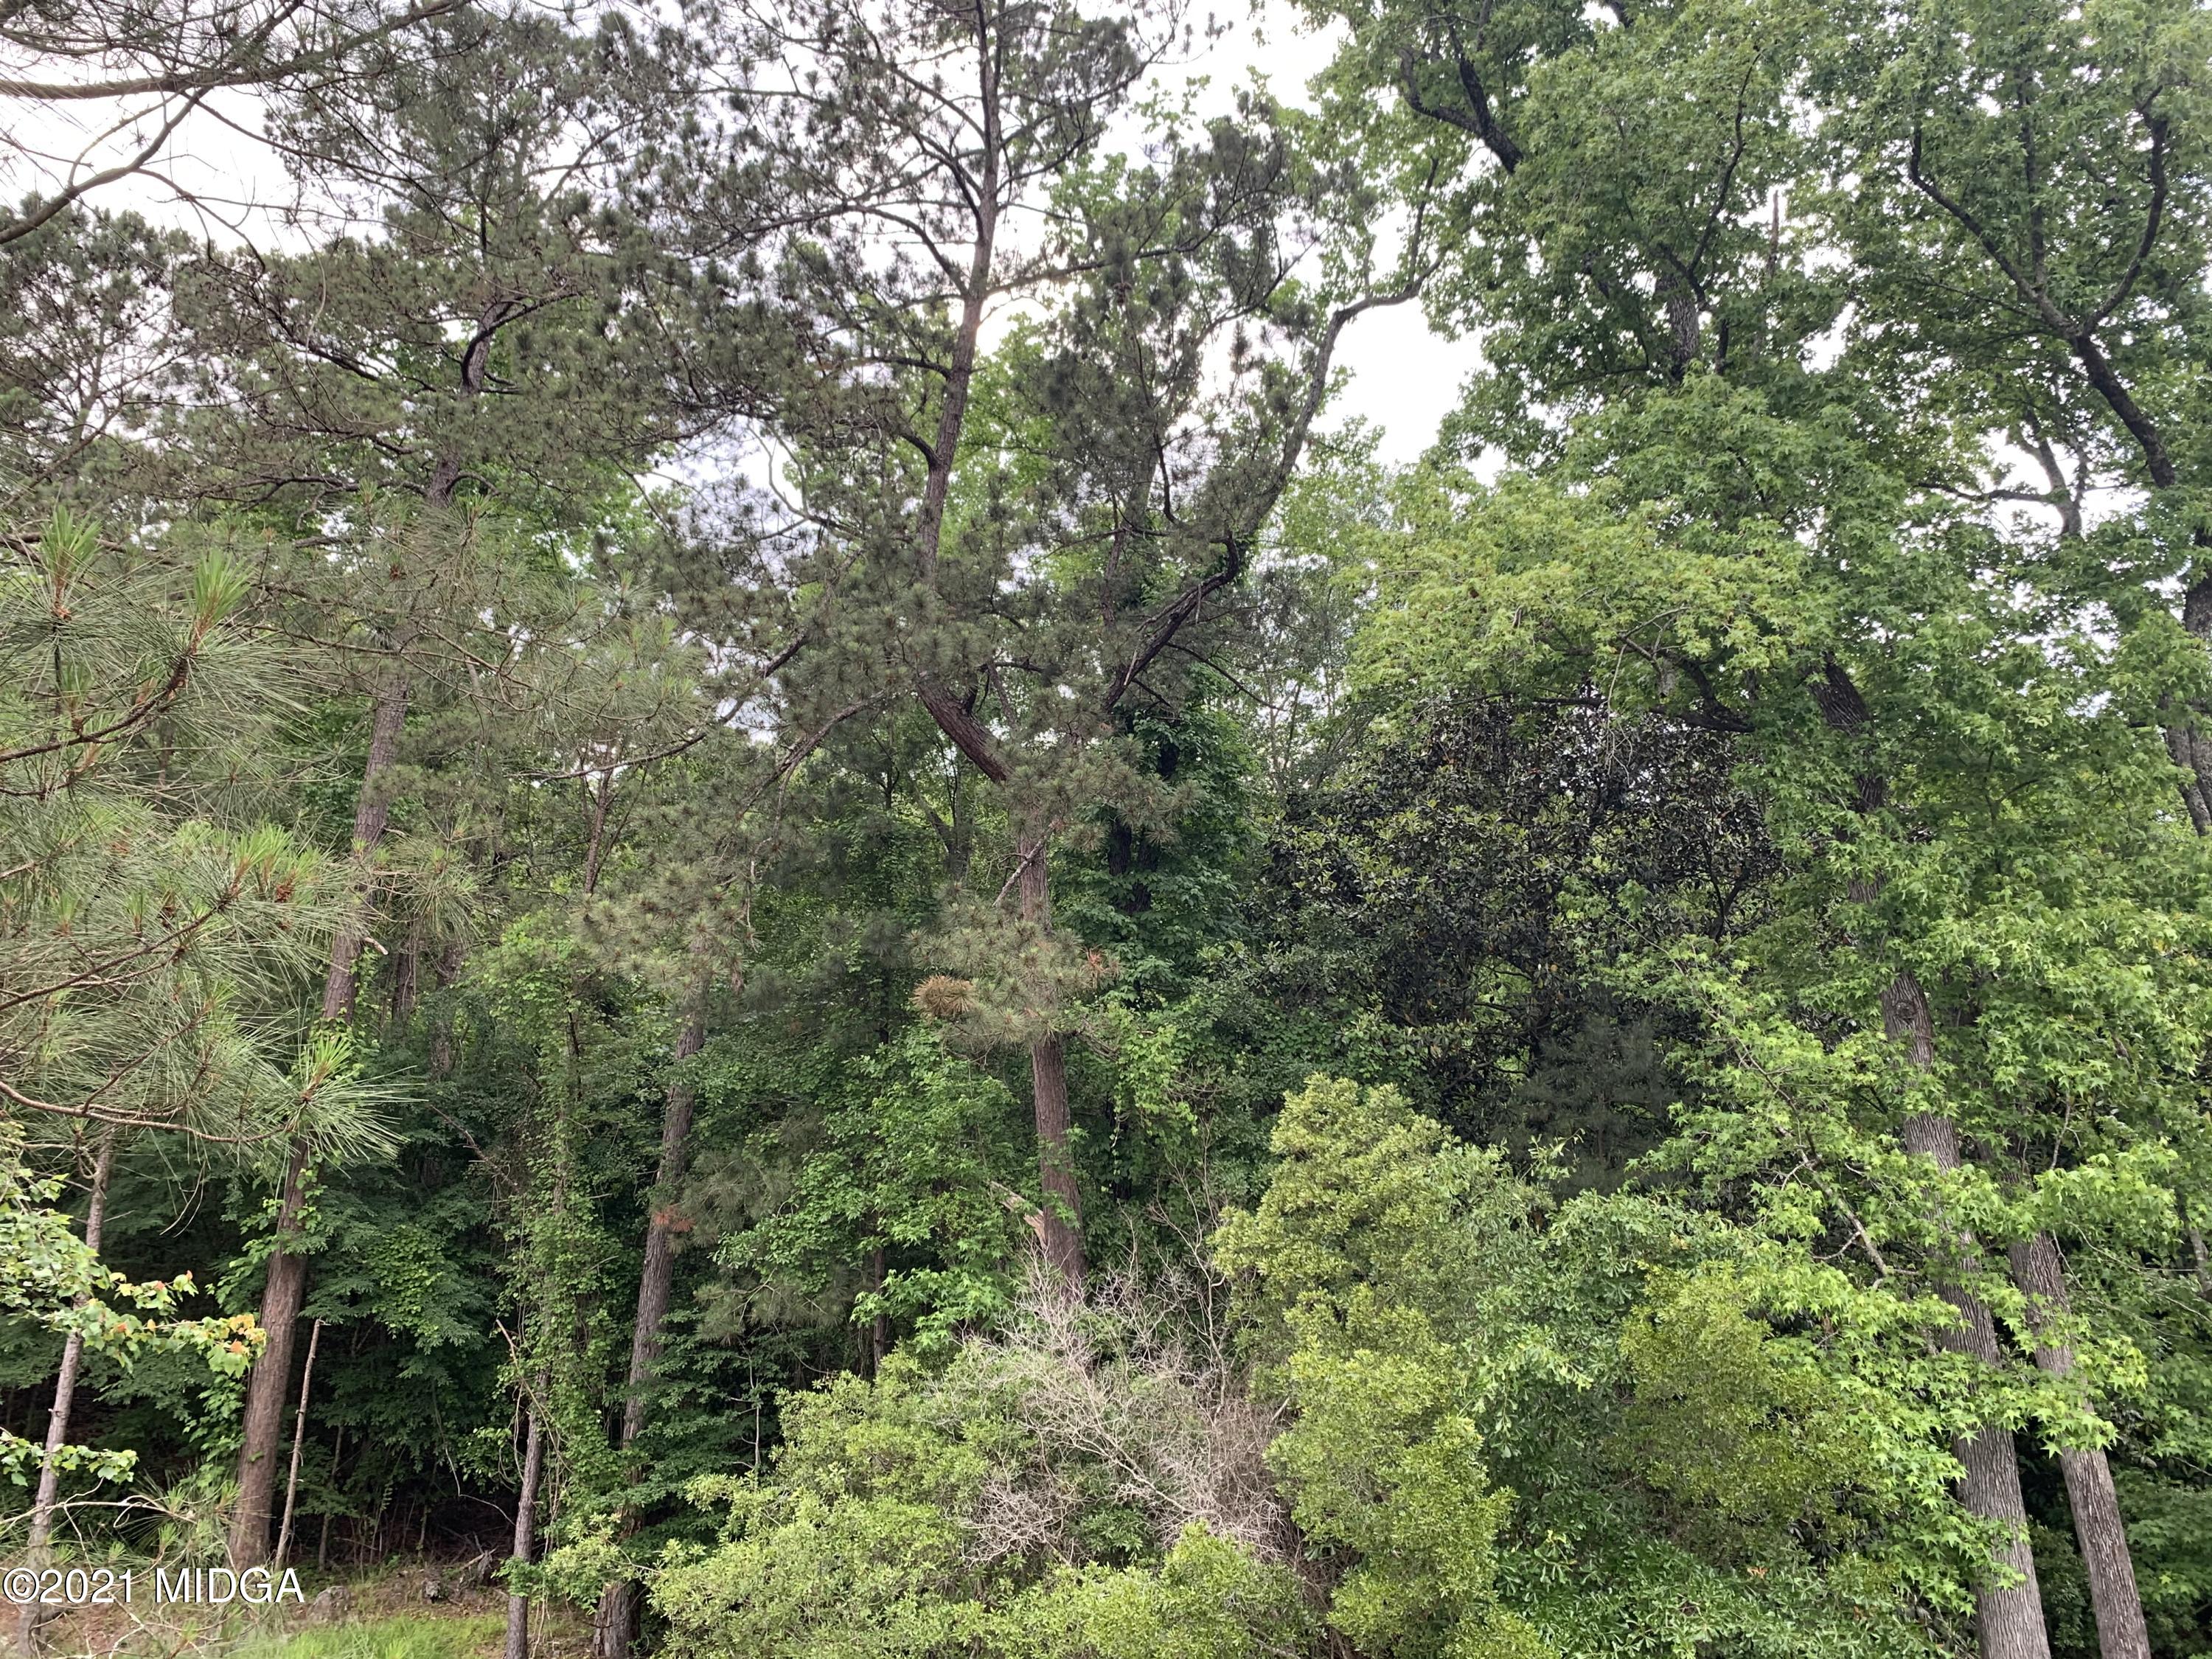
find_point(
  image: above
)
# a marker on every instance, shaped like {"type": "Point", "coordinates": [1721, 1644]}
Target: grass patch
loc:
{"type": "Point", "coordinates": [411, 1637]}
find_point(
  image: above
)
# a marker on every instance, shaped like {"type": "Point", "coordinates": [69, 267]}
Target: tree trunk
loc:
{"type": "Point", "coordinates": [38, 1549]}
{"type": "Point", "coordinates": [269, 1380]}
{"type": "Point", "coordinates": [2121, 1632]}
{"type": "Point", "coordinates": [2204, 1263]}
{"type": "Point", "coordinates": [2186, 741]}
{"type": "Point", "coordinates": [615, 1625]}
{"type": "Point", "coordinates": [299, 1442]}
{"type": "Point", "coordinates": [525, 1527]}
{"type": "Point", "coordinates": [1062, 1218]}
{"type": "Point", "coordinates": [371, 813]}
{"type": "Point", "coordinates": [287, 1285]}
{"type": "Point", "coordinates": [407, 977]}
{"type": "Point", "coordinates": [615, 1621]}
{"type": "Point", "coordinates": [2009, 1617]}
{"type": "Point", "coordinates": [658, 1275]}
{"type": "Point", "coordinates": [2192, 753]}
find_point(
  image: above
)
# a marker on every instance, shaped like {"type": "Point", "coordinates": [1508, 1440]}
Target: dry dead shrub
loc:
{"type": "Point", "coordinates": [1127, 1384]}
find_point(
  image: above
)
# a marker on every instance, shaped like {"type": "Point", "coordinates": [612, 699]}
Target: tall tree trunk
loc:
{"type": "Point", "coordinates": [1060, 1223]}
{"type": "Point", "coordinates": [526, 1528]}
{"type": "Point", "coordinates": [268, 1383]}
{"type": "Point", "coordinates": [407, 976]}
{"type": "Point", "coordinates": [40, 1545]}
{"type": "Point", "coordinates": [1062, 1218]}
{"type": "Point", "coordinates": [371, 813]}
{"type": "Point", "coordinates": [658, 1276]}
{"type": "Point", "coordinates": [287, 1284]}
{"type": "Point", "coordinates": [2187, 739]}
{"type": "Point", "coordinates": [2009, 1617]}
{"type": "Point", "coordinates": [614, 1627]}
{"type": "Point", "coordinates": [2098, 1527]}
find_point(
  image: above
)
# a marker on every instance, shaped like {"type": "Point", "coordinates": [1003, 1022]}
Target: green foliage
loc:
{"type": "Point", "coordinates": [1721, 1422]}
{"type": "Point", "coordinates": [1361, 1306]}
{"type": "Point", "coordinates": [1030, 1498]}
{"type": "Point", "coordinates": [149, 910]}
{"type": "Point", "coordinates": [49, 1279]}
{"type": "Point", "coordinates": [735, 598]}
{"type": "Point", "coordinates": [1468, 878]}
{"type": "Point", "coordinates": [1521, 1433]}
{"type": "Point", "coordinates": [859, 1523]}
{"type": "Point", "coordinates": [1206, 1598]}
{"type": "Point", "coordinates": [907, 1161]}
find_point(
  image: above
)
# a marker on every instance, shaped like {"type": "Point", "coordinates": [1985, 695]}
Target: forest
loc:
{"type": "Point", "coordinates": [760, 898]}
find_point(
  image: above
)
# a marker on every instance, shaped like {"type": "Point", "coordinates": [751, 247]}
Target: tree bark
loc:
{"type": "Point", "coordinates": [1062, 1218]}
{"type": "Point", "coordinates": [2098, 1526]}
{"type": "Point", "coordinates": [960, 374]}
{"type": "Point", "coordinates": [615, 1622]}
{"type": "Point", "coordinates": [269, 1380]}
{"type": "Point", "coordinates": [2203, 1260]}
{"type": "Point", "coordinates": [2008, 1617]}
{"type": "Point", "coordinates": [39, 1546]}
{"type": "Point", "coordinates": [658, 1276]}
{"type": "Point", "coordinates": [615, 1625]}
{"type": "Point", "coordinates": [2192, 753]}
{"type": "Point", "coordinates": [2185, 742]}
{"type": "Point", "coordinates": [525, 1527]}
{"type": "Point", "coordinates": [372, 813]}
{"type": "Point", "coordinates": [407, 976]}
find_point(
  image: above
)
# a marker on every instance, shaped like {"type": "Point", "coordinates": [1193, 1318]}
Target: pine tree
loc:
{"type": "Point", "coordinates": [1040, 541]}
{"type": "Point", "coordinates": [422, 406]}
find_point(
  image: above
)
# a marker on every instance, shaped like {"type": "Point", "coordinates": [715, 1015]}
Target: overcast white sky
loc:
{"type": "Point", "coordinates": [1404, 378]}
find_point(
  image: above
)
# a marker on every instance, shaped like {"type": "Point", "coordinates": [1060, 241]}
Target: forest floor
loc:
{"type": "Point", "coordinates": [413, 1635]}
{"type": "Point", "coordinates": [385, 1615]}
